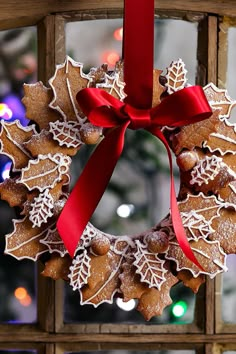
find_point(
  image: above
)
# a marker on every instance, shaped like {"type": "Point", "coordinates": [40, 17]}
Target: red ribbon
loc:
{"type": "Point", "coordinates": [104, 110]}
{"type": "Point", "coordinates": [183, 107]}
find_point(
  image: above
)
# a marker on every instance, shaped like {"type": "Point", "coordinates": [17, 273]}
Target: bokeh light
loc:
{"type": "Point", "coordinates": [6, 170]}
{"type": "Point", "coordinates": [110, 57]}
{"type": "Point", "coordinates": [118, 34]}
{"type": "Point", "coordinates": [22, 296]}
{"type": "Point", "coordinates": [5, 111]}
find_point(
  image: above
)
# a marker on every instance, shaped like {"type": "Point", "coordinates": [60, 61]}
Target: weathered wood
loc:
{"type": "Point", "coordinates": [202, 52]}
{"type": "Point", "coordinates": [40, 336]}
{"type": "Point", "coordinates": [15, 13]}
{"type": "Point", "coordinates": [212, 49]}
{"type": "Point", "coordinates": [223, 52]}
{"type": "Point", "coordinates": [210, 306]}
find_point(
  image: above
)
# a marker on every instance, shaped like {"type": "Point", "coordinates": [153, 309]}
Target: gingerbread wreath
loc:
{"type": "Point", "coordinates": [144, 266]}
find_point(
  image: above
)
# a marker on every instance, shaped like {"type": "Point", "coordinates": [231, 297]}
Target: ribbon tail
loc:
{"type": "Point", "coordinates": [90, 187]}
{"type": "Point", "coordinates": [175, 214]}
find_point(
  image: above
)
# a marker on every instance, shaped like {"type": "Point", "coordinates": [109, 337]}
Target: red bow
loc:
{"type": "Point", "coordinates": [183, 107]}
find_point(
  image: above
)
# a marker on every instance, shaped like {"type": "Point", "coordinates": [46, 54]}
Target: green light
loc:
{"type": "Point", "coordinates": [179, 308]}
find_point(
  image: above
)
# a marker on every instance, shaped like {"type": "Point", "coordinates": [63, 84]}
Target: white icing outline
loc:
{"type": "Point", "coordinates": [7, 250]}
{"type": "Point", "coordinates": [109, 301]}
{"type": "Point", "coordinates": [75, 270]}
{"type": "Point", "coordinates": [218, 135]}
{"type": "Point", "coordinates": [203, 172]}
{"type": "Point", "coordinates": [198, 272]}
{"type": "Point", "coordinates": [205, 225]}
{"type": "Point", "coordinates": [141, 251]}
{"type": "Point", "coordinates": [62, 163]}
{"type": "Point", "coordinates": [72, 127]}
{"type": "Point", "coordinates": [65, 66]}
{"type": "Point", "coordinates": [115, 78]}
{"type": "Point", "coordinates": [44, 198]}
{"type": "Point", "coordinates": [26, 129]}
{"type": "Point", "coordinates": [177, 64]}
{"type": "Point", "coordinates": [212, 103]}
{"type": "Point", "coordinates": [53, 230]}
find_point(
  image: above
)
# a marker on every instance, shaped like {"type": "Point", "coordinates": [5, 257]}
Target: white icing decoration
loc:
{"type": "Point", "coordinates": [66, 65]}
{"type": "Point", "coordinates": [176, 76]}
{"type": "Point", "coordinates": [217, 104]}
{"type": "Point", "coordinates": [109, 301]}
{"type": "Point", "coordinates": [194, 221]}
{"type": "Point", "coordinates": [30, 128]}
{"type": "Point", "coordinates": [41, 209]}
{"type": "Point", "coordinates": [206, 170]}
{"type": "Point", "coordinates": [89, 233]}
{"type": "Point", "coordinates": [54, 242]}
{"type": "Point", "coordinates": [66, 133]}
{"type": "Point", "coordinates": [111, 81]}
{"type": "Point", "coordinates": [62, 163]}
{"type": "Point", "coordinates": [194, 269]}
{"type": "Point", "coordinates": [223, 138]}
{"type": "Point", "coordinates": [149, 266]}
{"type": "Point", "coordinates": [22, 244]}
{"type": "Point", "coordinates": [80, 270]}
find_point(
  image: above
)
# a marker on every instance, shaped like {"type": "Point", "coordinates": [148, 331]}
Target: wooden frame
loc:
{"type": "Point", "coordinates": [207, 334]}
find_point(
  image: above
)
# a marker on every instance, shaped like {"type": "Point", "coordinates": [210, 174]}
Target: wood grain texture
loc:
{"type": "Point", "coordinates": [139, 340]}
{"type": "Point", "coordinates": [15, 13]}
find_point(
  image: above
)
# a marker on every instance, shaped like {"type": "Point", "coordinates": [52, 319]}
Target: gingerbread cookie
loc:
{"type": "Point", "coordinates": [145, 266]}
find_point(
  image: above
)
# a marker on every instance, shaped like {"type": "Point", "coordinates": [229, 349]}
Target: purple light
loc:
{"type": "Point", "coordinates": [17, 108]}
{"type": "Point", "coordinates": [5, 111]}
{"type": "Point", "coordinates": [6, 170]}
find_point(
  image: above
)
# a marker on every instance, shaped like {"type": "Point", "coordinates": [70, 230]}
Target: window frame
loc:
{"type": "Point", "coordinates": [207, 334]}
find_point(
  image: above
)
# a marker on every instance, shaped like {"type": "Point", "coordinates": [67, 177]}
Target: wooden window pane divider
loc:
{"type": "Point", "coordinates": [208, 333]}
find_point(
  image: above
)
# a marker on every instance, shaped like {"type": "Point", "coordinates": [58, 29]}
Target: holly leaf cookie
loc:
{"type": "Point", "coordinates": [36, 101]}
{"type": "Point", "coordinates": [219, 99]}
{"type": "Point", "coordinates": [67, 81]}
{"type": "Point", "coordinates": [208, 253]}
{"type": "Point", "coordinates": [57, 267]}
{"type": "Point", "coordinates": [194, 135]}
{"type": "Point", "coordinates": [153, 301]}
{"type": "Point", "coordinates": [12, 137]}
{"type": "Point", "coordinates": [24, 241]}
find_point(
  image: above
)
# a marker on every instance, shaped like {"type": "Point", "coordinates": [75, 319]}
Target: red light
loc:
{"type": "Point", "coordinates": [110, 57]}
{"type": "Point", "coordinates": [118, 34]}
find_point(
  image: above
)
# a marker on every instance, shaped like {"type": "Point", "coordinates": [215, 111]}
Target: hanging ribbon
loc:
{"type": "Point", "coordinates": [183, 107]}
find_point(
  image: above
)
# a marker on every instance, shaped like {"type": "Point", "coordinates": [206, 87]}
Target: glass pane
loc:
{"type": "Point", "coordinates": [229, 291]}
{"type": "Point", "coordinates": [141, 179]}
{"type": "Point", "coordinates": [183, 300]}
{"type": "Point", "coordinates": [18, 65]}
{"type": "Point", "coordinates": [100, 41]}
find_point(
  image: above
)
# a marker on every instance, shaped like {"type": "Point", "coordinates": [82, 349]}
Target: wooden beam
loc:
{"type": "Point", "coordinates": [15, 13]}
